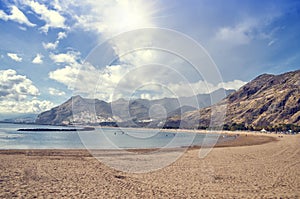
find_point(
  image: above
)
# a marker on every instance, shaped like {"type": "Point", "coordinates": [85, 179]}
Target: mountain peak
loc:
{"type": "Point", "coordinates": [76, 98]}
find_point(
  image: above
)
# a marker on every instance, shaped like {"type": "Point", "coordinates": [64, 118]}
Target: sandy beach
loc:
{"type": "Point", "coordinates": [252, 166]}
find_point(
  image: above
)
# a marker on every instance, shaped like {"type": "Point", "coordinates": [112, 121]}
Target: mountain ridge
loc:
{"type": "Point", "coordinates": [83, 110]}
{"type": "Point", "coordinates": [268, 101]}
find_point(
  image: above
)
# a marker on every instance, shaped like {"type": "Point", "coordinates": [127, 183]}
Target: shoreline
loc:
{"type": "Point", "coordinates": [90, 128]}
{"type": "Point", "coordinates": [259, 133]}
{"type": "Point", "coordinates": [243, 139]}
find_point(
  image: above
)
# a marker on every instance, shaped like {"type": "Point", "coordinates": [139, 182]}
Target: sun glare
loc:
{"type": "Point", "coordinates": [130, 15]}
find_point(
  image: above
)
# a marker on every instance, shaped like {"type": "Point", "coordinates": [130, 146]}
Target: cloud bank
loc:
{"type": "Point", "coordinates": [19, 95]}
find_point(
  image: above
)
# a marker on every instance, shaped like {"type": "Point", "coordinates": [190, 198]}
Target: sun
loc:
{"type": "Point", "coordinates": [129, 15]}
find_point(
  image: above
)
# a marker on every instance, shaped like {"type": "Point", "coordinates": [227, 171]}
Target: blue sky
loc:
{"type": "Point", "coordinates": [43, 47]}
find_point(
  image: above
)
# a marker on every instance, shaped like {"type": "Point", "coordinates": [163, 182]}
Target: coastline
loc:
{"type": "Point", "coordinates": [243, 139]}
{"type": "Point", "coordinates": [256, 133]}
{"type": "Point", "coordinates": [240, 141]}
{"type": "Point", "coordinates": [237, 142]}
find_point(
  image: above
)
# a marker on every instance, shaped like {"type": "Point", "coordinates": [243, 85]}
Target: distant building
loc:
{"type": "Point", "coordinates": [264, 130]}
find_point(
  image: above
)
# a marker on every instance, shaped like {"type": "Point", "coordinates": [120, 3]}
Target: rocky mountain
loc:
{"type": "Point", "coordinates": [75, 110]}
{"type": "Point", "coordinates": [268, 101]}
{"type": "Point", "coordinates": [127, 113]}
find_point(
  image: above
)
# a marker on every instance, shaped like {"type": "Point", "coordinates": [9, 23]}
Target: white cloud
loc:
{"type": "Point", "coordinates": [237, 35]}
{"type": "Point", "coordinates": [50, 45]}
{"type": "Point", "coordinates": [66, 76]}
{"type": "Point", "coordinates": [116, 81]}
{"type": "Point", "coordinates": [52, 18]}
{"type": "Point", "coordinates": [14, 57]}
{"type": "Point", "coordinates": [73, 75]}
{"type": "Point", "coordinates": [53, 46]}
{"type": "Point", "coordinates": [30, 106]}
{"type": "Point", "coordinates": [69, 57]}
{"type": "Point", "coordinates": [38, 59]}
{"type": "Point", "coordinates": [184, 89]}
{"type": "Point", "coordinates": [19, 95]}
{"type": "Point", "coordinates": [61, 35]}
{"type": "Point", "coordinates": [204, 87]}
{"type": "Point", "coordinates": [235, 84]}
{"type": "Point", "coordinates": [271, 42]}
{"type": "Point", "coordinates": [245, 31]}
{"type": "Point", "coordinates": [53, 91]}
{"type": "Point", "coordinates": [14, 86]}
{"type": "Point", "coordinates": [56, 4]}
{"type": "Point", "coordinates": [17, 16]}
{"type": "Point", "coordinates": [22, 28]}
{"type": "Point", "coordinates": [69, 74]}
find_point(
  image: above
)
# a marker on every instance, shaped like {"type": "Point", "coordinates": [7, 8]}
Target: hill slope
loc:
{"type": "Point", "coordinates": [268, 100]}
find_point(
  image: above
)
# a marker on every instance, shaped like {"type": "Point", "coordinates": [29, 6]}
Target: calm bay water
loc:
{"type": "Point", "coordinates": [100, 138]}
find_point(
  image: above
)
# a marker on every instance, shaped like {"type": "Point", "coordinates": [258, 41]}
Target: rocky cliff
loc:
{"type": "Point", "coordinates": [266, 101]}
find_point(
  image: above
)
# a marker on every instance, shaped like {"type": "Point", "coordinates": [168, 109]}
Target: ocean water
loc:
{"type": "Point", "coordinates": [100, 138]}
